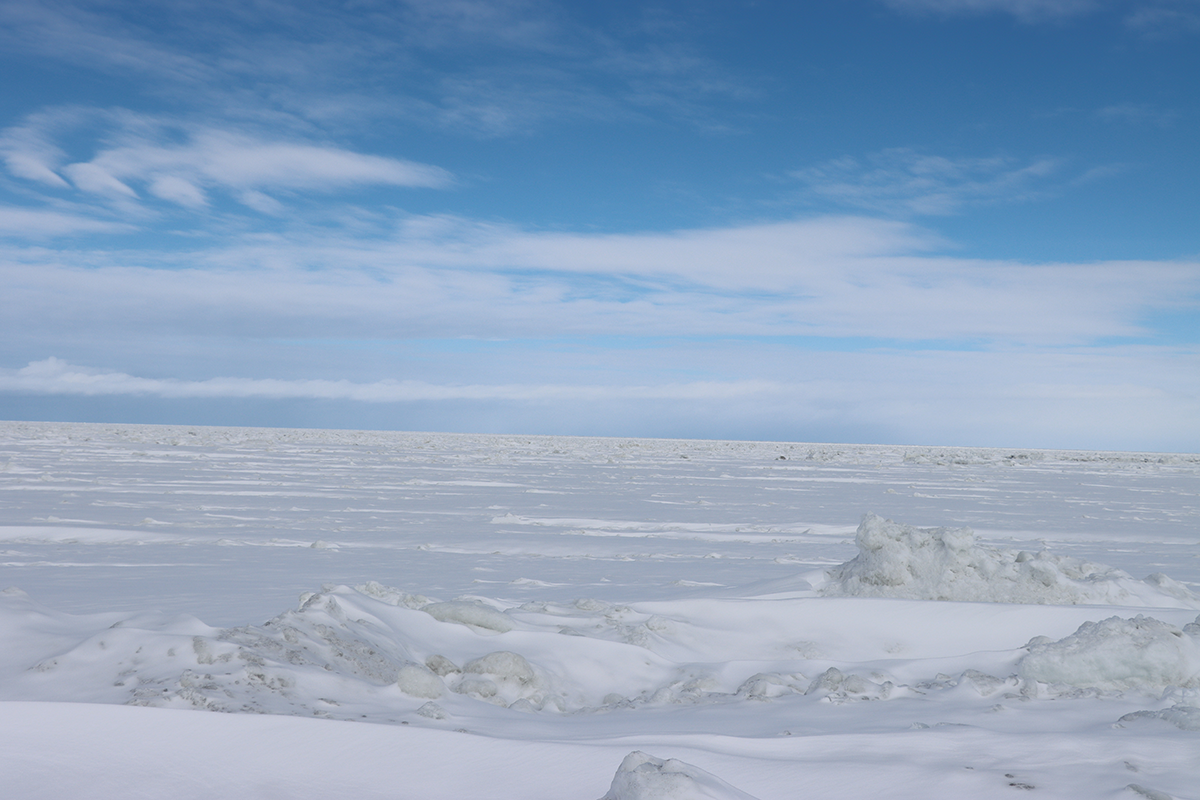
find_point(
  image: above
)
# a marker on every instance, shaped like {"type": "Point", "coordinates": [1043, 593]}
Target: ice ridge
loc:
{"type": "Point", "coordinates": [901, 561]}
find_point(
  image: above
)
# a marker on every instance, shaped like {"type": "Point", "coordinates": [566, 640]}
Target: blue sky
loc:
{"type": "Point", "coordinates": [958, 222]}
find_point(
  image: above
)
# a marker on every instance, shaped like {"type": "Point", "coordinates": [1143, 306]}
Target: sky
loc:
{"type": "Point", "coordinates": [945, 222]}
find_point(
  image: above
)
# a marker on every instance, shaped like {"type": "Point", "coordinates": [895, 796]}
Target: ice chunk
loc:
{"type": "Point", "coordinates": [1116, 654]}
{"type": "Point", "coordinates": [393, 597]}
{"type": "Point", "coordinates": [833, 683]}
{"type": "Point", "coordinates": [765, 686]}
{"type": "Point", "coordinates": [480, 687]}
{"type": "Point", "coordinates": [442, 665]}
{"type": "Point", "coordinates": [828, 681]}
{"type": "Point", "coordinates": [1186, 718]}
{"type": "Point", "coordinates": [417, 681]}
{"type": "Point", "coordinates": [503, 665]}
{"type": "Point", "coordinates": [432, 710]}
{"type": "Point", "coordinates": [982, 682]}
{"type": "Point", "coordinates": [470, 612]}
{"type": "Point", "coordinates": [1149, 794]}
{"type": "Point", "coordinates": [947, 564]}
{"type": "Point", "coordinates": [644, 777]}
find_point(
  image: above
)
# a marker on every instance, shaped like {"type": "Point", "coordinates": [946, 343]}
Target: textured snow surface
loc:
{"type": "Point", "coordinates": [512, 616]}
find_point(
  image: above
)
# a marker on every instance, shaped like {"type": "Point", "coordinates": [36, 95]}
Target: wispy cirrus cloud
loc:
{"type": "Point", "coordinates": [1138, 114]}
{"type": "Point", "coordinates": [903, 181]}
{"type": "Point", "coordinates": [84, 34]}
{"type": "Point", "coordinates": [183, 162]}
{"type": "Point", "coordinates": [1165, 18]}
{"type": "Point", "coordinates": [1149, 18]}
{"type": "Point", "coordinates": [1024, 10]}
{"type": "Point", "coordinates": [490, 69]}
{"type": "Point", "coordinates": [243, 162]}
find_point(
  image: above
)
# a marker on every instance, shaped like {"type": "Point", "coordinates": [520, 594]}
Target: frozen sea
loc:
{"type": "Point", "coordinates": [409, 615]}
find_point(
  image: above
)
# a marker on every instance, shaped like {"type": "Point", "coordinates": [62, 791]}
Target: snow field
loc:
{"type": "Point", "coordinates": [554, 618]}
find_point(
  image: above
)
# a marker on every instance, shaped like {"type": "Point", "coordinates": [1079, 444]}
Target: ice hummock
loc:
{"type": "Point", "coordinates": [644, 777]}
{"type": "Point", "coordinates": [902, 561]}
{"type": "Point", "coordinates": [1116, 654]}
{"type": "Point", "coordinates": [1186, 718]}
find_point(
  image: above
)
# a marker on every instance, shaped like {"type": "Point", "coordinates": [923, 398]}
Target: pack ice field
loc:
{"type": "Point", "coordinates": [554, 617]}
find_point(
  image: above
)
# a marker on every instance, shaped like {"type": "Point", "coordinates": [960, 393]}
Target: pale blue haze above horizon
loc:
{"type": "Point", "coordinates": [953, 222]}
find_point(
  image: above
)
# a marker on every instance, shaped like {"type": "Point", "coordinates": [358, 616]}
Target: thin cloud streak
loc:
{"type": "Point", "coordinates": [828, 277]}
{"type": "Point", "coordinates": [1024, 10]}
{"type": "Point", "coordinates": [461, 66]}
{"type": "Point", "coordinates": [144, 151]}
{"type": "Point", "coordinates": [1082, 398]}
{"type": "Point", "coordinates": [903, 182]}
{"type": "Point", "coordinates": [33, 223]}
{"type": "Point", "coordinates": [53, 376]}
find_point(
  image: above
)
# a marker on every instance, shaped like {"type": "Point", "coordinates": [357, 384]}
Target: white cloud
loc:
{"type": "Point", "coordinates": [178, 190]}
{"type": "Point", "coordinates": [28, 155]}
{"type": "Point", "coordinates": [97, 180]}
{"type": "Point", "coordinates": [262, 203]}
{"type": "Point", "coordinates": [825, 277]}
{"type": "Point", "coordinates": [902, 181]}
{"type": "Point", "coordinates": [243, 162]}
{"type": "Point", "coordinates": [1165, 19]}
{"type": "Point", "coordinates": [178, 162]}
{"type": "Point", "coordinates": [491, 67]}
{"type": "Point", "coordinates": [38, 223]}
{"type": "Point", "coordinates": [56, 377]}
{"type": "Point", "coordinates": [1115, 398]}
{"type": "Point", "coordinates": [83, 34]}
{"type": "Point", "coordinates": [1151, 18]}
{"type": "Point", "coordinates": [1137, 113]}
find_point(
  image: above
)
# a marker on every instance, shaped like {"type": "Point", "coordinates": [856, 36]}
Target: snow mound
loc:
{"type": "Point", "coordinates": [901, 561]}
{"type": "Point", "coordinates": [644, 777]}
{"type": "Point", "coordinates": [1117, 654]}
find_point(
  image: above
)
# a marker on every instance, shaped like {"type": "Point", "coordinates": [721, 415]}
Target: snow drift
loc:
{"type": "Point", "coordinates": [901, 561]}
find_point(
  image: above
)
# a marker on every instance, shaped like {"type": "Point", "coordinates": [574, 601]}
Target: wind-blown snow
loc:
{"type": "Point", "coordinates": [517, 615]}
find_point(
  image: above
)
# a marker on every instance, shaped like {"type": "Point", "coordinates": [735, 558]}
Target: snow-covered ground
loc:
{"type": "Point", "coordinates": [443, 616]}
